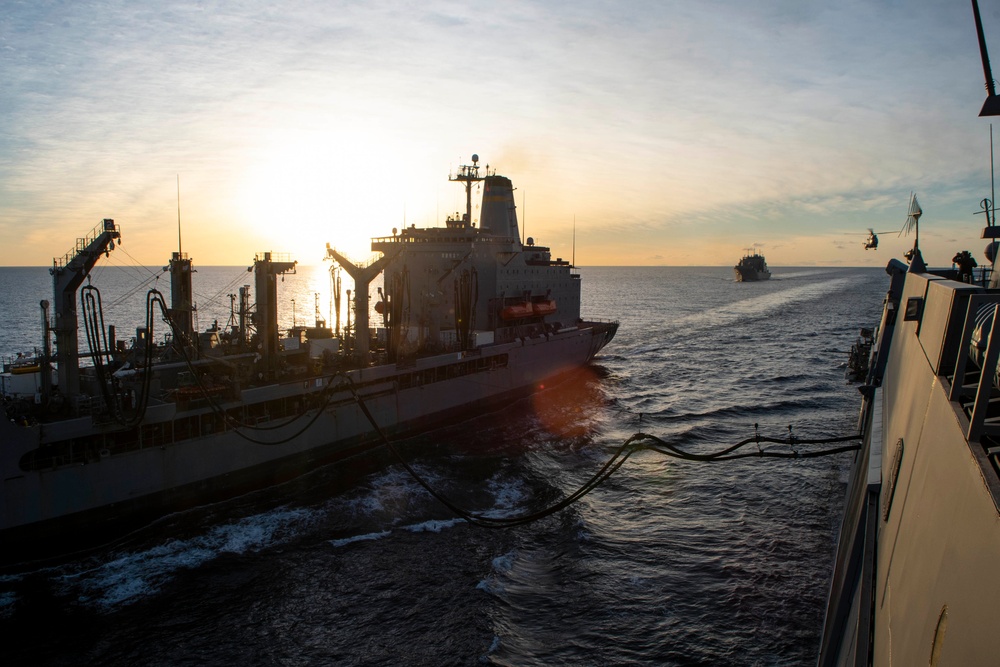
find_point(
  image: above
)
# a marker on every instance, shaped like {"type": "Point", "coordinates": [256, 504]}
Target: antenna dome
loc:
{"type": "Point", "coordinates": [475, 158]}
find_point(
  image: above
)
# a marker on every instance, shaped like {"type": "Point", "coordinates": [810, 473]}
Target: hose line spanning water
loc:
{"type": "Point", "coordinates": [636, 443]}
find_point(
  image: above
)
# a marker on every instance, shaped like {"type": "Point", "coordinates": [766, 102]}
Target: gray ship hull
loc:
{"type": "Point", "coordinates": [913, 580]}
{"type": "Point", "coordinates": [100, 495]}
{"type": "Point", "coordinates": [746, 275]}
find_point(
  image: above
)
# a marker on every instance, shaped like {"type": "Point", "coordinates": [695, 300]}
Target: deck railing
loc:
{"type": "Point", "coordinates": [83, 242]}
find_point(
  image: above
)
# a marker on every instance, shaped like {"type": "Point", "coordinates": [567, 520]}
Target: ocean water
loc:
{"type": "Point", "coordinates": [668, 563]}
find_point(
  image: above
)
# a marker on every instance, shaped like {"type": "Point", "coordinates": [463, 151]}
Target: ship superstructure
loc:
{"type": "Point", "coordinates": [923, 507]}
{"type": "Point", "coordinates": [469, 318]}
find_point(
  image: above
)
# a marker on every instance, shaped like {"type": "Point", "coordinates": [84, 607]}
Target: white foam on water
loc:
{"type": "Point", "coordinates": [387, 492]}
{"type": "Point", "coordinates": [797, 274]}
{"type": "Point", "coordinates": [343, 542]}
{"type": "Point", "coordinates": [763, 305]}
{"type": "Point", "coordinates": [433, 525]}
{"type": "Point", "coordinates": [135, 575]}
{"type": "Point", "coordinates": [429, 526]}
{"type": "Point", "coordinates": [505, 562]}
{"type": "Point", "coordinates": [510, 496]}
{"type": "Point", "coordinates": [139, 574]}
{"type": "Point", "coordinates": [502, 565]}
{"type": "Point", "coordinates": [363, 506]}
{"type": "Point", "coordinates": [394, 490]}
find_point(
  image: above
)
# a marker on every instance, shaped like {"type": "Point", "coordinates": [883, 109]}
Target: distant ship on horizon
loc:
{"type": "Point", "coordinates": [751, 268]}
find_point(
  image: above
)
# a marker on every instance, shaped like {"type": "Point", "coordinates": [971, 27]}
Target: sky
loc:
{"type": "Point", "coordinates": [667, 132]}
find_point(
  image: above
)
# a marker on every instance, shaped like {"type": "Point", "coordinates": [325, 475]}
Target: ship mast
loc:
{"type": "Point", "coordinates": [468, 174]}
{"type": "Point", "coordinates": [179, 248]}
{"type": "Point", "coordinates": [181, 292]}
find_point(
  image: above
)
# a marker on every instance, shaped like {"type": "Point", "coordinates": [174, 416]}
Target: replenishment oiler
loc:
{"type": "Point", "coordinates": [471, 319]}
{"type": "Point", "coordinates": [914, 582]}
{"type": "Point", "coordinates": [751, 268]}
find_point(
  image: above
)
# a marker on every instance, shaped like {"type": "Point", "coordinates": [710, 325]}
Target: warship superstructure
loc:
{"type": "Point", "coordinates": [471, 319]}
{"type": "Point", "coordinates": [913, 582]}
{"type": "Point", "coordinates": [922, 524]}
{"type": "Point", "coordinates": [751, 268]}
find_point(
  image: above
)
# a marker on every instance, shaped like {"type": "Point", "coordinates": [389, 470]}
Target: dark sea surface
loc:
{"type": "Point", "coordinates": [668, 563]}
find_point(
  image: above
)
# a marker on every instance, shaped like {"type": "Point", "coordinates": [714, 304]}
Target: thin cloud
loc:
{"type": "Point", "coordinates": [667, 124]}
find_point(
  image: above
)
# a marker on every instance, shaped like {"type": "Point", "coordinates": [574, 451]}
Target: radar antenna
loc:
{"type": "Point", "coordinates": [912, 222]}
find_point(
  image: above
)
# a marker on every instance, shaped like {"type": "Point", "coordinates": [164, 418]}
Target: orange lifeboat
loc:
{"type": "Point", "coordinates": [517, 311]}
{"type": "Point", "coordinates": [544, 307]}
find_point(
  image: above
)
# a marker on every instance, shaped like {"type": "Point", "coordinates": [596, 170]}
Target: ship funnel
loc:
{"type": "Point", "coordinates": [499, 214]}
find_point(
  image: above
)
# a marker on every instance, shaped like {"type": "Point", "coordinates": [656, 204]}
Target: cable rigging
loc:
{"type": "Point", "coordinates": [636, 443]}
